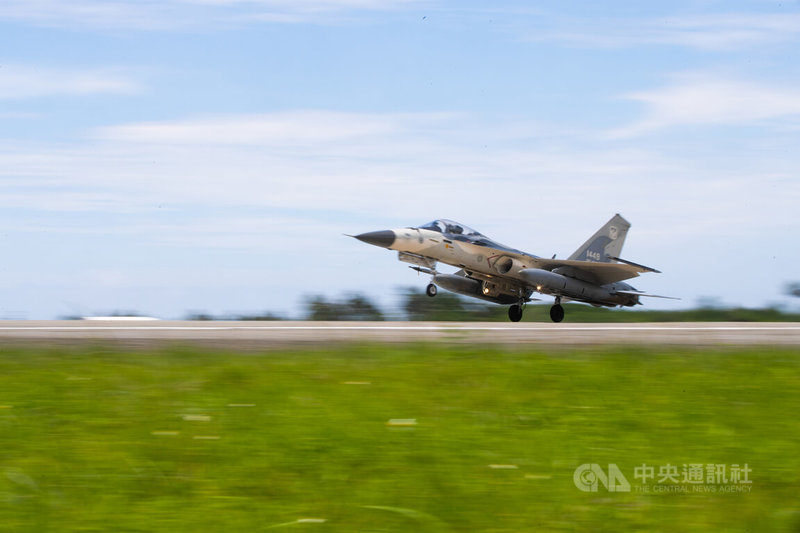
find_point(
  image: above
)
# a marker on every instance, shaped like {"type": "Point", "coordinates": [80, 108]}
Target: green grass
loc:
{"type": "Point", "coordinates": [186, 439]}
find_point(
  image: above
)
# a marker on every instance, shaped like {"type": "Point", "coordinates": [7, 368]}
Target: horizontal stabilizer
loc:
{"type": "Point", "coordinates": [631, 263]}
{"type": "Point", "coordinates": [640, 293]}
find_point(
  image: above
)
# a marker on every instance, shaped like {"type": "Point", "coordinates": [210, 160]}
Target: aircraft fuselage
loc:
{"type": "Point", "coordinates": [497, 273]}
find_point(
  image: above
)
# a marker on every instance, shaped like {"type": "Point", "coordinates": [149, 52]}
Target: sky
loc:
{"type": "Point", "coordinates": [177, 156]}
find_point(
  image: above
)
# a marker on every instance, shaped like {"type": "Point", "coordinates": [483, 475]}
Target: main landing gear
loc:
{"type": "Point", "coordinates": [556, 312]}
{"type": "Point", "coordinates": [431, 290]}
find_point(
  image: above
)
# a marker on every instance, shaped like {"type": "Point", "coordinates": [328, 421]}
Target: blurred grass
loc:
{"type": "Point", "coordinates": [186, 439]}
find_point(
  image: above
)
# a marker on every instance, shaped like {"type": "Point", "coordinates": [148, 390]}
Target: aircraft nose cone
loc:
{"type": "Point", "coordinates": [384, 238]}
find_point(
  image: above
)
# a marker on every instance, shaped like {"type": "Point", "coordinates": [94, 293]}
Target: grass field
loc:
{"type": "Point", "coordinates": [394, 438]}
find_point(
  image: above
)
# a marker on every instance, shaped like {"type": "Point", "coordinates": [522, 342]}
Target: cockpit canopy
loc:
{"type": "Point", "coordinates": [452, 227]}
{"type": "Point", "coordinates": [459, 232]}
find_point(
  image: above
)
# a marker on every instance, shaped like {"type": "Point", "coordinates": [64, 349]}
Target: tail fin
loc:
{"type": "Point", "coordinates": [606, 243]}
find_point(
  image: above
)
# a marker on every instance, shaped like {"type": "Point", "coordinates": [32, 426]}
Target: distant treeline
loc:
{"type": "Point", "coordinates": [417, 306]}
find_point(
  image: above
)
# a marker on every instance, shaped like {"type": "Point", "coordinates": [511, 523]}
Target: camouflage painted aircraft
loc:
{"type": "Point", "coordinates": [494, 272]}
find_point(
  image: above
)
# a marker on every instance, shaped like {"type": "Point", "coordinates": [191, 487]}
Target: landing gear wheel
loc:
{"type": "Point", "coordinates": [515, 313]}
{"type": "Point", "coordinates": [431, 290]}
{"type": "Point", "coordinates": [557, 313]}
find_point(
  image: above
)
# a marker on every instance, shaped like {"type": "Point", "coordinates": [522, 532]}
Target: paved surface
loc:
{"type": "Point", "coordinates": [265, 335]}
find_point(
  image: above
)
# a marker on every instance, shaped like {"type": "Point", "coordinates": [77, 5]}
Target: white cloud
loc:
{"type": "Point", "coordinates": [175, 14]}
{"type": "Point", "coordinates": [698, 100]}
{"type": "Point", "coordinates": [392, 166]}
{"type": "Point", "coordinates": [724, 31]}
{"type": "Point", "coordinates": [306, 5]}
{"type": "Point", "coordinates": [91, 13]}
{"type": "Point", "coordinates": [280, 128]}
{"type": "Point", "coordinates": [26, 81]}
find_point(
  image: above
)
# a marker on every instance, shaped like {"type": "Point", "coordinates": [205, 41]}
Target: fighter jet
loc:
{"type": "Point", "coordinates": [491, 271]}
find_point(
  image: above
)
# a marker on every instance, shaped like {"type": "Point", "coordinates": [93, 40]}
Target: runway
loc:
{"type": "Point", "coordinates": [267, 335]}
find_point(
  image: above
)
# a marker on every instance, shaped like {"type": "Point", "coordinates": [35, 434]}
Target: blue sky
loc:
{"type": "Point", "coordinates": [177, 155]}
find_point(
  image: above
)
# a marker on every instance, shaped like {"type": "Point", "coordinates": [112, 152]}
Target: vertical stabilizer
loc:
{"type": "Point", "coordinates": [607, 242]}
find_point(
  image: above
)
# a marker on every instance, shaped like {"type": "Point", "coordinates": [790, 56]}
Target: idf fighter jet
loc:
{"type": "Point", "coordinates": [499, 274]}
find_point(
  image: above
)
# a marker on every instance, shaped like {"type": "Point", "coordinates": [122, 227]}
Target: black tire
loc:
{"type": "Point", "coordinates": [515, 313]}
{"type": "Point", "coordinates": [431, 290]}
{"type": "Point", "coordinates": [557, 313]}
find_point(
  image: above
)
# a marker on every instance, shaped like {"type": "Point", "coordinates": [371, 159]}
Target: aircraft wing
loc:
{"type": "Point", "coordinates": [600, 273]}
